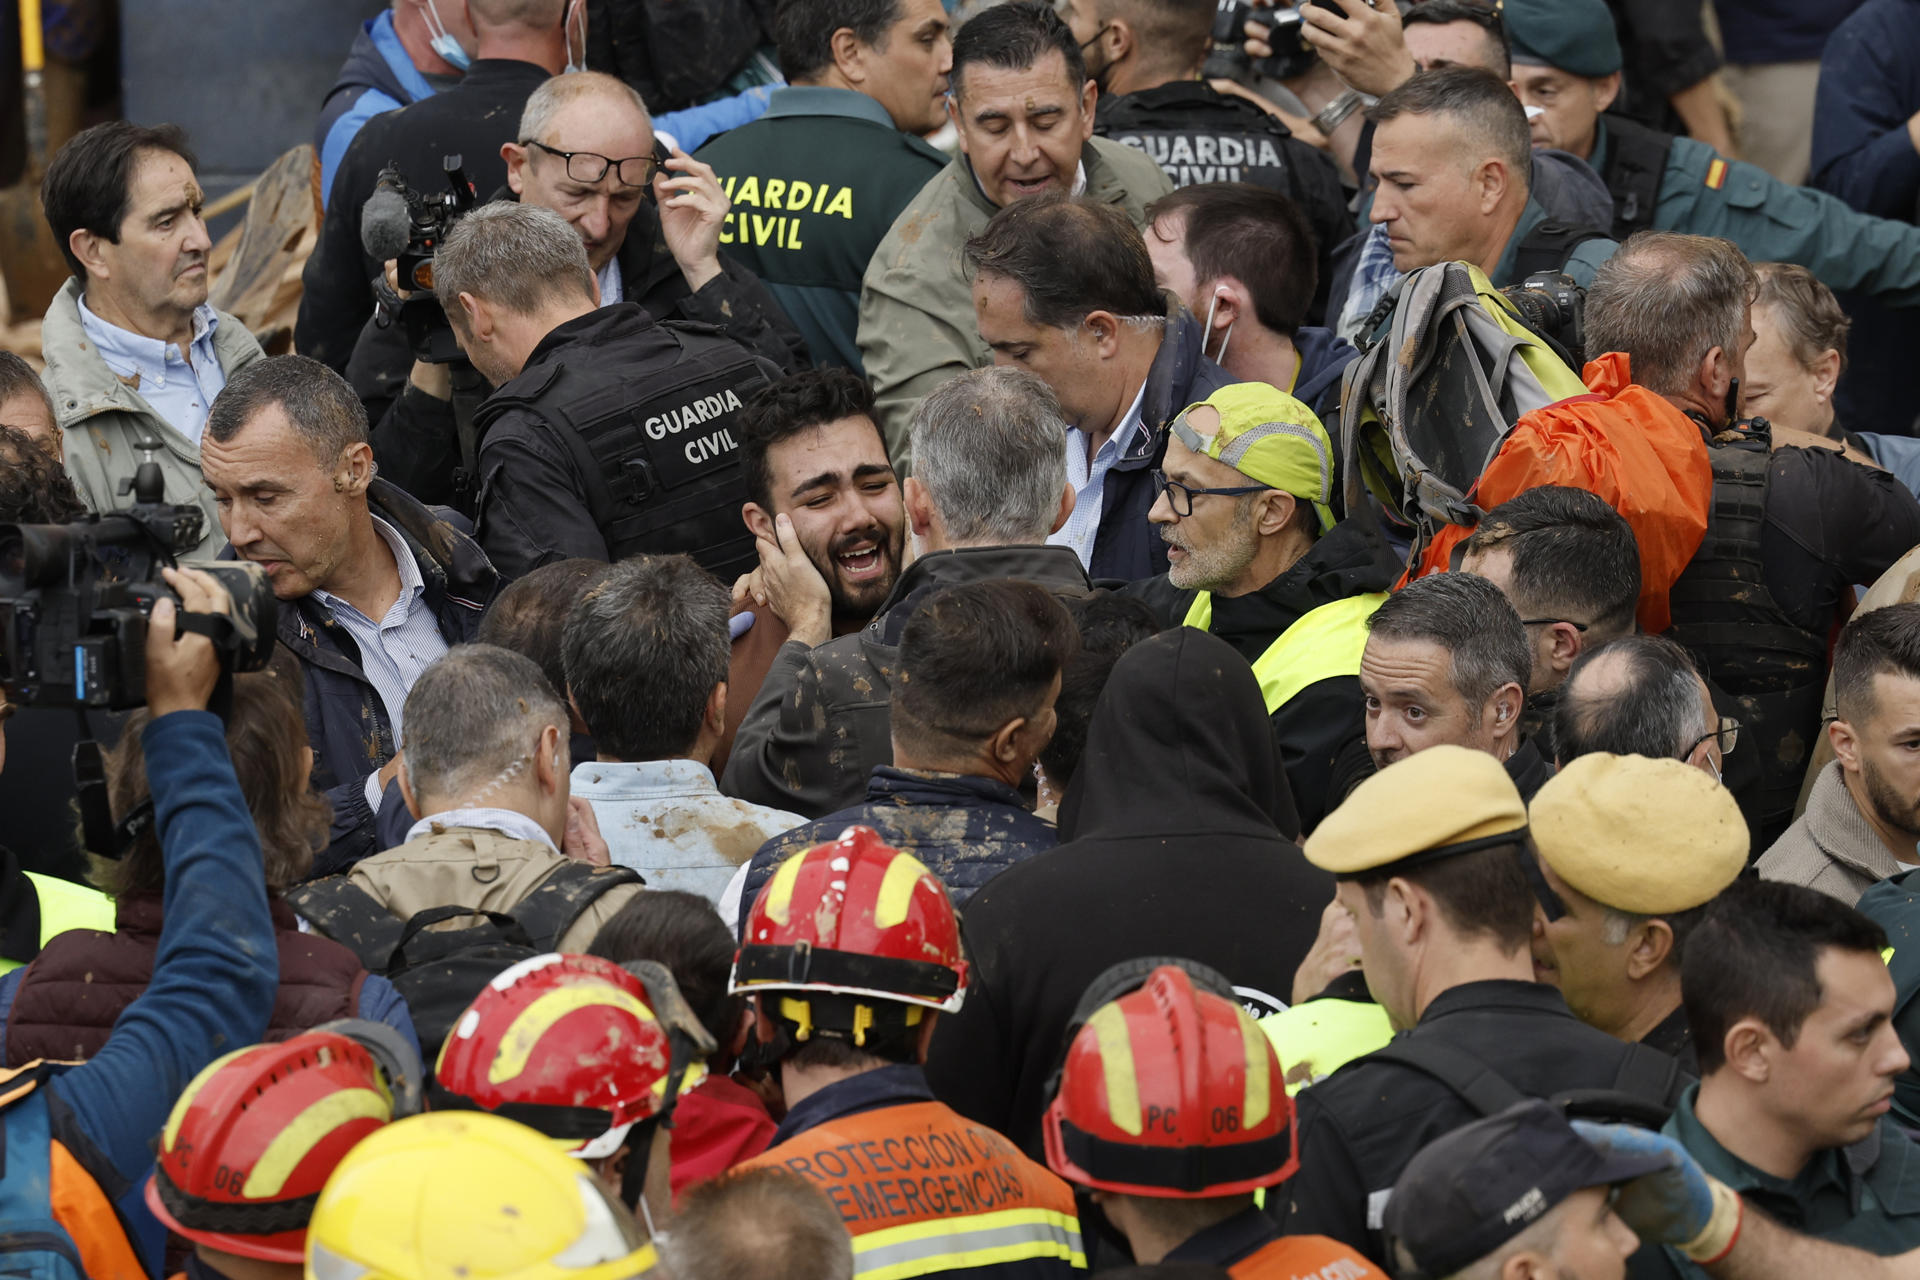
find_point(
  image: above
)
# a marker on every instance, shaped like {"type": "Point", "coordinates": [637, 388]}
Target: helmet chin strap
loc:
{"type": "Point", "coordinates": [1219, 357]}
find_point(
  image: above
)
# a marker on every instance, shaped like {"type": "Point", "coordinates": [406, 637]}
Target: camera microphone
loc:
{"type": "Point", "coordinates": [386, 224]}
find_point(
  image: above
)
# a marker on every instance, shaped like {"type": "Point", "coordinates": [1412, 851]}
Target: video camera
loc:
{"type": "Point", "coordinates": [75, 598]}
{"type": "Point", "coordinates": [1555, 307]}
{"type": "Point", "coordinates": [1292, 55]}
{"type": "Point", "coordinates": [400, 223]}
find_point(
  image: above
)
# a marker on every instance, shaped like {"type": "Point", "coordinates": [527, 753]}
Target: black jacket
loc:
{"type": "Point", "coordinates": [414, 436]}
{"type": "Point", "coordinates": [1321, 731]}
{"type": "Point", "coordinates": [822, 720]}
{"type": "Point", "coordinates": [1361, 1126]}
{"type": "Point", "coordinates": [473, 119]}
{"type": "Point", "coordinates": [346, 721]}
{"type": "Point", "coordinates": [1126, 547]}
{"type": "Point", "coordinates": [1170, 846]}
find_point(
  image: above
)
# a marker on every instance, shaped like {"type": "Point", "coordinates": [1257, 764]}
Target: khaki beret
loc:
{"type": "Point", "coordinates": [1638, 835]}
{"type": "Point", "coordinates": [1433, 804]}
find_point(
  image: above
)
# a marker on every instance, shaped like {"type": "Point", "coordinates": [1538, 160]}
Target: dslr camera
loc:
{"type": "Point", "coordinates": [1292, 55]}
{"type": "Point", "coordinates": [406, 225]}
{"type": "Point", "coordinates": [74, 602]}
{"type": "Point", "coordinates": [1555, 307]}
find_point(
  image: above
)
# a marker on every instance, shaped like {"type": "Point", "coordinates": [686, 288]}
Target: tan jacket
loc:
{"type": "Point", "coordinates": [469, 867]}
{"type": "Point", "coordinates": [1831, 847]}
{"type": "Point", "coordinates": [1900, 584]}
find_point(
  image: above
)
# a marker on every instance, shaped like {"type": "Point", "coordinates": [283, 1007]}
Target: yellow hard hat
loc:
{"type": "Point", "coordinates": [464, 1195]}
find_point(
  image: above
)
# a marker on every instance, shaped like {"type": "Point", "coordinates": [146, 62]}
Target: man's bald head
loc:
{"type": "Point", "coordinates": [597, 118]}
{"type": "Point", "coordinates": [534, 15]}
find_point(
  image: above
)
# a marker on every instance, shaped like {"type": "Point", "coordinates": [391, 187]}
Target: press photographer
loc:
{"type": "Point", "coordinates": [650, 221]}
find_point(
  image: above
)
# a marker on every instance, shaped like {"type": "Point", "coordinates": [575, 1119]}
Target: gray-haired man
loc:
{"type": "Point", "coordinates": [607, 434]}
{"type": "Point", "coordinates": [989, 486]}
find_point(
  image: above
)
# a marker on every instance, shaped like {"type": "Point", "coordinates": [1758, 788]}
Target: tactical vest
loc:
{"type": "Point", "coordinates": [1723, 614]}
{"type": "Point", "coordinates": [1636, 165]}
{"type": "Point", "coordinates": [1322, 643]}
{"type": "Point", "coordinates": [651, 430]}
{"type": "Point", "coordinates": [1546, 248]}
{"type": "Point", "coordinates": [923, 1191]}
{"type": "Point", "coordinates": [1196, 151]}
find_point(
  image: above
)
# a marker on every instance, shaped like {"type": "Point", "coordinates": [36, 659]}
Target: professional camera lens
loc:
{"type": "Point", "coordinates": [34, 555]}
{"type": "Point", "coordinates": [253, 614]}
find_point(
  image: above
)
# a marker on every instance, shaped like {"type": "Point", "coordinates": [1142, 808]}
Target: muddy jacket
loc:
{"type": "Point", "coordinates": [916, 308]}
{"type": "Point", "coordinates": [346, 721]}
{"type": "Point", "coordinates": [821, 722]}
{"type": "Point", "coordinates": [104, 420]}
{"type": "Point", "coordinates": [966, 829]}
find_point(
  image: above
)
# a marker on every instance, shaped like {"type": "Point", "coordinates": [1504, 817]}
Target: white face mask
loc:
{"type": "Point", "coordinates": [1206, 332]}
{"type": "Point", "coordinates": [566, 28]}
{"type": "Point", "coordinates": [444, 44]}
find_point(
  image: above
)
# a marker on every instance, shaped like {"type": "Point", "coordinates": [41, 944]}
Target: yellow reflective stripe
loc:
{"type": "Point", "coordinates": [1321, 643]}
{"type": "Point", "coordinates": [1116, 1057]}
{"type": "Point", "coordinates": [516, 1046]}
{"type": "Point", "coordinates": [194, 1086]}
{"type": "Point", "coordinates": [896, 890]}
{"type": "Point", "coordinates": [1886, 957]}
{"type": "Point", "coordinates": [1259, 1099]}
{"type": "Point", "coordinates": [295, 1142]}
{"type": "Point", "coordinates": [977, 1240]}
{"type": "Point", "coordinates": [778, 895]}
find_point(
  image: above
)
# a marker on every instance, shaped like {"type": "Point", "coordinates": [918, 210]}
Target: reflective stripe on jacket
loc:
{"type": "Point", "coordinates": [1322, 643]}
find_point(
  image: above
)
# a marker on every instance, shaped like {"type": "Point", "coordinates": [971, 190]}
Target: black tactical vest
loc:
{"type": "Point", "coordinates": [649, 422]}
{"type": "Point", "coordinates": [1723, 614]}
{"type": "Point", "coordinates": [1636, 165]}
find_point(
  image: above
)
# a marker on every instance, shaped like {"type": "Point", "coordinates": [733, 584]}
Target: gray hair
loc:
{"type": "Point", "coordinates": [536, 118]}
{"type": "Point", "coordinates": [1480, 105]}
{"type": "Point", "coordinates": [1637, 696]}
{"type": "Point", "coordinates": [991, 448]}
{"type": "Point", "coordinates": [1666, 300]}
{"type": "Point", "coordinates": [518, 256]}
{"type": "Point", "coordinates": [643, 651]}
{"type": "Point", "coordinates": [318, 403]}
{"type": "Point", "coordinates": [473, 719]}
{"type": "Point", "coordinates": [1472, 620]}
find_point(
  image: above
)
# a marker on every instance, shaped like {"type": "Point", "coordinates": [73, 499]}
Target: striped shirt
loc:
{"type": "Point", "coordinates": [1088, 476]}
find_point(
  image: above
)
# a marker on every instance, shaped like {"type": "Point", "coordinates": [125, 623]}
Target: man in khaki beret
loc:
{"type": "Point", "coordinates": [1631, 850]}
{"type": "Point", "coordinates": [1431, 856]}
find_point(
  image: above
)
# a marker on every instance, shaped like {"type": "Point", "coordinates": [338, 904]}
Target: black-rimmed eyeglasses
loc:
{"type": "Point", "coordinates": [1549, 622]}
{"type": "Point", "coordinates": [1727, 734]}
{"type": "Point", "coordinates": [1180, 497]}
{"type": "Point", "coordinates": [590, 168]}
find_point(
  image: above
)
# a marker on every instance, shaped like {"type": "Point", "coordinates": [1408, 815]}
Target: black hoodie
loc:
{"type": "Point", "coordinates": [1171, 848]}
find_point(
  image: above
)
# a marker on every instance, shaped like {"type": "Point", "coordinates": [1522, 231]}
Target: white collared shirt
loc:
{"type": "Point", "coordinates": [508, 822]}
{"type": "Point", "coordinates": [1088, 476]}
{"type": "Point", "coordinates": [179, 391]}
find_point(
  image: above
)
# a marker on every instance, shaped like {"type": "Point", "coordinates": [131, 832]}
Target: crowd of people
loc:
{"type": "Point", "coordinates": [1127, 636]}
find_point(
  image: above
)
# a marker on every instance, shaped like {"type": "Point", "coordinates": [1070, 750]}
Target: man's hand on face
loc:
{"type": "Point", "coordinates": [693, 209]}
{"type": "Point", "coordinates": [1366, 46]}
{"type": "Point", "coordinates": [182, 666]}
{"type": "Point", "coordinates": [790, 584]}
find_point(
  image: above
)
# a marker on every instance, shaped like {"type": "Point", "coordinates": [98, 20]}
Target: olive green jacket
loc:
{"type": "Point", "coordinates": [916, 306]}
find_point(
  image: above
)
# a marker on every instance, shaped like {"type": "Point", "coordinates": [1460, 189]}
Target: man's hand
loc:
{"type": "Point", "coordinates": [1679, 1204]}
{"type": "Point", "coordinates": [182, 666]}
{"type": "Point", "coordinates": [389, 771]}
{"type": "Point", "coordinates": [790, 584]}
{"type": "Point", "coordinates": [583, 841]}
{"type": "Point", "coordinates": [693, 209]}
{"type": "Point", "coordinates": [1366, 46]}
{"type": "Point", "coordinates": [1336, 951]}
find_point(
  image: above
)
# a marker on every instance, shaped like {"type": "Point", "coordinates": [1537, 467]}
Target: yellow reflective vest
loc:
{"type": "Point", "coordinates": [1322, 643]}
{"type": "Point", "coordinates": [1315, 1038]}
{"type": "Point", "coordinates": [63, 906]}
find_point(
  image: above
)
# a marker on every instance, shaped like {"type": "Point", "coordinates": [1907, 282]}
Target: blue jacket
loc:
{"type": "Point", "coordinates": [213, 981]}
{"type": "Point", "coordinates": [346, 721]}
{"type": "Point", "coordinates": [1324, 357]}
{"type": "Point", "coordinates": [1126, 547]}
{"type": "Point", "coordinates": [378, 76]}
{"type": "Point", "coordinates": [1869, 86]}
{"type": "Point", "coordinates": [966, 829]}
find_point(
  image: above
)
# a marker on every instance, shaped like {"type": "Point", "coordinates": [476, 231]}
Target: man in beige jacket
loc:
{"type": "Point", "coordinates": [1862, 817]}
{"type": "Point", "coordinates": [485, 771]}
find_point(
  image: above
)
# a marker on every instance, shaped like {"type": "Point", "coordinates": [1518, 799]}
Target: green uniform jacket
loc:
{"type": "Point", "coordinates": [1702, 194]}
{"type": "Point", "coordinates": [916, 307]}
{"type": "Point", "coordinates": [1866, 1195]}
{"type": "Point", "coordinates": [104, 419]}
{"type": "Point", "coordinates": [815, 184]}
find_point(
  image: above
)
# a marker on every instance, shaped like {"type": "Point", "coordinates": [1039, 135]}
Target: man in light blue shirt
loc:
{"type": "Point", "coordinates": [646, 656]}
{"type": "Point", "coordinates": [135, 355]}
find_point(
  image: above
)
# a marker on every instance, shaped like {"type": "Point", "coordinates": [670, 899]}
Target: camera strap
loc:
{"type": "Point", "coordinates": [100, 833]}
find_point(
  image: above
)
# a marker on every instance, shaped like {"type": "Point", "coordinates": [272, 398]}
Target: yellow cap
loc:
{"type": "Point", "coordinates": [1434, 804]}
{"type": "Point", "coordinates": [465, 1195]}
{"type": "Point", "coordinates": [1642, 836]}
{"type": "Point", "coordinates": [1270, 438]}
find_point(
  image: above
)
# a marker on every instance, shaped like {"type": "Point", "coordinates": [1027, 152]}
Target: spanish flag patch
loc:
{"type": "Point", "coordinates": [1717, 175]}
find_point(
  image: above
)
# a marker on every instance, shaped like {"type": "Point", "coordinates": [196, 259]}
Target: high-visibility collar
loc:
{"type": "Point", "coordinates": [1322, 643]}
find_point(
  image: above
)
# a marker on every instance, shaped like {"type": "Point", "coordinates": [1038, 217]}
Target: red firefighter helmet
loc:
{"type": "Point", "coordinates": [256, 1135]}
{"type": "Point", "coordinates": [1171, 1091]}
{"type": "Point", "coordinates": [568, 1045]}
{"type": "Point", "coordinates": [855, 918]}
